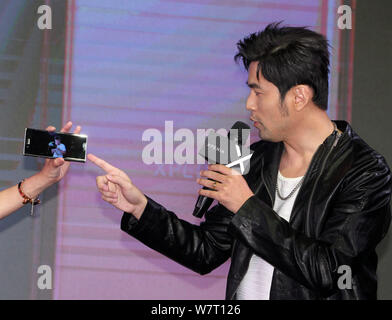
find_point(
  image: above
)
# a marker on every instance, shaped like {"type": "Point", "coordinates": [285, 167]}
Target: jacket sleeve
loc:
{"type": "Point", "coordinates": [199, 248]}
{"type": "Point", "coordinates": [360, 219]}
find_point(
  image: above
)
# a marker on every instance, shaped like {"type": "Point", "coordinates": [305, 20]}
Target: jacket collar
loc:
{"type": "Point", "coordinates": [272, 155]}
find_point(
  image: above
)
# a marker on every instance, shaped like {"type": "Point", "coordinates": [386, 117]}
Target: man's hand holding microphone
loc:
{"type": "Point", "coordinates": [226, 185]}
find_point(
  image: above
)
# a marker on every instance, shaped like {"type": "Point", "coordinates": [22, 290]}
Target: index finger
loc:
{"type": "Point", "coordinates": [101, 163]}
{"type": "Point", "coordinates": [67, 126]}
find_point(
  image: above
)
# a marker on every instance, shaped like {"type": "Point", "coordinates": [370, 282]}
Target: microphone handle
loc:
{"type": "Point", "coordinates": [202, 205]}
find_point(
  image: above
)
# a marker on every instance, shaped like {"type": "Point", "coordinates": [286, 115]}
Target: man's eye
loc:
{"type": "Point", "coordinates": [258, 93]}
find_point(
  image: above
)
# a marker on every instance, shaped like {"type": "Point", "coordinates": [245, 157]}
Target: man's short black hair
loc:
{"type": "Point", "coordinates": [289, 56]}
{"type": "Point", "coordinates": [57, 138]}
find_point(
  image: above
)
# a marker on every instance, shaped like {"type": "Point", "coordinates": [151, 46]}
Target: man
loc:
{"type": "Point", "coordinates": [316, 200]}
{"type": "Point", "coordinates": [60, 149]}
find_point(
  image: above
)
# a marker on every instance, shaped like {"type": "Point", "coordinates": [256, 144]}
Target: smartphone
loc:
{"type": "Point", "coordinates": [46, 144]}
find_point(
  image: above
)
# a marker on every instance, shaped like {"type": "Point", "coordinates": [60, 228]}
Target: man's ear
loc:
{"type": "Point", "coordinates": [302, 96]}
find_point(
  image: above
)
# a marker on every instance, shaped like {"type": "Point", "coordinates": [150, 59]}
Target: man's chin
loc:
{"type": "Point", "coordinates": [261, 132]}
{"type": "Point", "coordinates": [265, 137]}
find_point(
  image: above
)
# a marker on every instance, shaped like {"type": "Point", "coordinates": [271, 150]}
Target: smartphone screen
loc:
{"type": "Point", "coordinates": [41, 143]}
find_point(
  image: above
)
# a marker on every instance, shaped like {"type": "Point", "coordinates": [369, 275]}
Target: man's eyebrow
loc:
{"type": "Point", "coordinates": [253, 85]}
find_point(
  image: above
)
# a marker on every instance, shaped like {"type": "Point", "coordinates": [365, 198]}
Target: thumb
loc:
{"type": "Point", "coordinates": [58, 162]}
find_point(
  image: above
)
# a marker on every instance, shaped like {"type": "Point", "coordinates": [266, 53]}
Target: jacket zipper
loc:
{"type": "Point", "coordinates": [263, 182]}
{"type": "Point", "coordinates": [262, 179]}
{"type": "Point", "coordinates": [318, 178]}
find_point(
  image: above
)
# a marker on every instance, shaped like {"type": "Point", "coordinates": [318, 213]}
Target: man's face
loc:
{"type": "Point", "coordinates": [269, 115]}
{"type": "Point", "coordinates": [57, 141]}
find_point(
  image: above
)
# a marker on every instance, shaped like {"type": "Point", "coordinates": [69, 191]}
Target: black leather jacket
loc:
{"type": "Point", "coordinates": [341, 213]}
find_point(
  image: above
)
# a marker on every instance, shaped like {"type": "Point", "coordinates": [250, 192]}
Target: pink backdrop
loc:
{"type": "Point", "coordinates": [132, 65]}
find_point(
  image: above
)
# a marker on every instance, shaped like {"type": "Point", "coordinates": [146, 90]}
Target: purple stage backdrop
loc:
{"type": "Point", "coordinates": [131, 66]}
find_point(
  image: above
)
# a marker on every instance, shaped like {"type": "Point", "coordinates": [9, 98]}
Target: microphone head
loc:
{"type": "Point", "coordinates": [223, 150]}
{"type": "Point", "coordinates": [216, 149]}
{"type": "Point", "coordinates": [239, 133]}
{"type": "Point", "coordinates": [240, 125]}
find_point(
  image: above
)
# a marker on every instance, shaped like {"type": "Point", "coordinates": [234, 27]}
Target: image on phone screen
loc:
{"type": "Point", "coordinates": [46, 144]}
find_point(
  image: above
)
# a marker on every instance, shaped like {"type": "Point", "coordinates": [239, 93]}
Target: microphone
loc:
{"type": "Point", "coordinates": [221, 150]}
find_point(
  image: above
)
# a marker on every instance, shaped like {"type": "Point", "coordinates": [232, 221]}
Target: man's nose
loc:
{"type": "Point", "coordinates": [250, 105]}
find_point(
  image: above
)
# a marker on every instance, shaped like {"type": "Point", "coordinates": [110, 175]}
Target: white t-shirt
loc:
{"type": "Point", "coordinates": [256, 284]}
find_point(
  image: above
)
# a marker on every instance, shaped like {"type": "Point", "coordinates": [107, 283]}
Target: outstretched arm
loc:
{"type": "Point", "coordinates": [199, 248]}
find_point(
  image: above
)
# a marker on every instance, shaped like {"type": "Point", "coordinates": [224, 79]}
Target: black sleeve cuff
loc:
{"type": "Point", "coordinates": [133, 226]}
